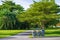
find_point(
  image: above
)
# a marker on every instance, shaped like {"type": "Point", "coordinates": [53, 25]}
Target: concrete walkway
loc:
{"type": "Point", "coordinates": [25, 36]}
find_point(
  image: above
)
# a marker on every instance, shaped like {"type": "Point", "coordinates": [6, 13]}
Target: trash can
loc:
{"type": "Point", "coordinates": [34, 33]}
{"type": "Point", "coordinates": [42, 32]}
{"type": "Point", "coordinates": [39, 33]}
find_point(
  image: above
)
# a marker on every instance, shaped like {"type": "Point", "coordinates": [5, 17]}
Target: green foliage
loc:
{"type": "Point", "coordinates": [8, 12]}
{"type": "Point", "coordinates": [11, 6]}
{"type": "Point", "coordinates": [41, 12]}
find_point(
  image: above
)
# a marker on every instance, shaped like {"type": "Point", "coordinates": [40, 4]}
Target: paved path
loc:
{"type": "Point", "coordinates": [25, 36]}
{"type": "Point", "coordinates": [19, 36]}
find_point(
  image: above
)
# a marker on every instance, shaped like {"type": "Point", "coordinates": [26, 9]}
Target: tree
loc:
{"type": "Point", "coordinates": [8, 12]}
{"type": "Point", "coordinates": [40, 12]}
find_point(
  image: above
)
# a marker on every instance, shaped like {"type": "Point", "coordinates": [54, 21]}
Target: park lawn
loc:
{"type": "Point", "coordinates": [7, 33]}
{"type": "Point", "coordinates": [51, 33]}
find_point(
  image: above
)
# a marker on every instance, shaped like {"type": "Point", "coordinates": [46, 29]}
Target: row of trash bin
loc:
{"type": "Point", "coordinates": [38, 33]}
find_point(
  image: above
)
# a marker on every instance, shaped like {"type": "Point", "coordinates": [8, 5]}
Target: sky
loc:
{"type": "Point", "coordinates": [26, 3]}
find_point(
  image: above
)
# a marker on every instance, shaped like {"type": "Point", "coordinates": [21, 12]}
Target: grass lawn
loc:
{"type": "Point", "coordinates": [51, 33]}
{"type": "Point", "coordinates": [6, 33]}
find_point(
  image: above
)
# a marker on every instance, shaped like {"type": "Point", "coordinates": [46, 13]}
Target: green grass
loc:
{"type": "Point", "coordinates": [7, 33]}
{"type": "Point", "coordinates": [51, 33]}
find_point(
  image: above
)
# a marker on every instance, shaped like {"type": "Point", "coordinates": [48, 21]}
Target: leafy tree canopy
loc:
{"type": "Point", "coordinates": [8, 12]}
{"type": "Point", "coordinates": [41, 12]}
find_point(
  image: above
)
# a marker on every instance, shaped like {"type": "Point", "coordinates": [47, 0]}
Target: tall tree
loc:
{"type": "Point", "coordinates": [40, 12]}
{"type": "Point", "coordinates": [9, 10]}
